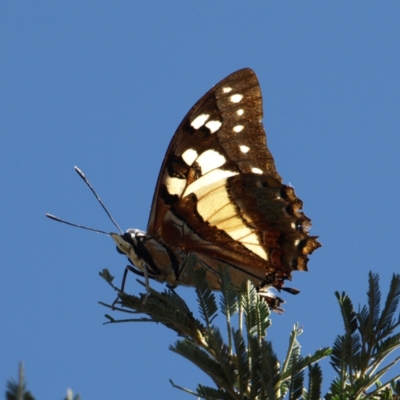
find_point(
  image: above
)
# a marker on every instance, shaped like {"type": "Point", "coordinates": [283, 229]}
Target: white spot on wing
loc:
{"type": "Point", "coordinates": [203, 185]}
{"type": "Point", "coordinates": [210, 160]}
{"type": "Point", "coordinates": [213, 126]}
{"type": "Point", "coordinates": [227, 89]}
{"type": "Point", "coordinates": [235, 98]}
{"type": "Point", "coordinates": [189, 156]}
{"type": "Point", "coordinates": [199, 121]}
{"type": "Point", "coordinates": [256, 170]}
{"type": "Point", "coordinates": [238, 128]}
{"type": "Point", "coordinates": [240, 112]}
{"type": "Point", "coordinates": [174, 185]}
{"type": "Point", "coordinates": [244, 149]}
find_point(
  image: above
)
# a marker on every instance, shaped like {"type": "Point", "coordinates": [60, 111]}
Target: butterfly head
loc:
{"type": "Point", "coordinates": [128, 243]}
{"type": "Point", "coordinates": [146, 254]}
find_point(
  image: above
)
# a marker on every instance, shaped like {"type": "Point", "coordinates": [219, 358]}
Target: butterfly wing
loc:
{"type": "Point", "coordinates": [219, 195]}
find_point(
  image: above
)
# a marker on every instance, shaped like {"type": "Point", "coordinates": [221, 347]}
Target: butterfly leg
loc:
{"type": "Point", "coordinates": [146, 280]}
{"type": "Point", "coordinates": [180, 270]}
{"type": "Point", "coordinates": [135, 271]}
{"type": "Point", "coordinates": [212, 277]}
{"type": "Point", "coordinates": [127, 268]}
{"type": "Point", "coordinates": [182, 266]}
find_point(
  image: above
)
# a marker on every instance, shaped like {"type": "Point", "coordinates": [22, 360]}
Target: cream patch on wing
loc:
{"type": "Point", "coordinates": [207, 182]}
{"type": "Point", "coordinates": [174, 185]}
{"type": "Point", "coordinates": [244, 149]}
{"type": "Point", "coordinates": [240, 112]}
{"type": "Point", "coordinates": [213, 126]}
{"type": "Point", "coordinates": [252, 242]}
{"type": "Point", "coordinates": [189, 156]}
{"type": "Point", "coordinates": [256, 170]}
{"type": "Point", "coordinates": [210, 160]}
{"type": "Point", "coordinates": [199, 121]}
{"type": "Point", "coordinates": [226, 89]}
{"type": "Point", "coordinates": [216, 208]}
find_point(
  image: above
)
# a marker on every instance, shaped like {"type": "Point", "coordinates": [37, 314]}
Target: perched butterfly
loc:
{"type": "Point", "coordinates": [219, 196]}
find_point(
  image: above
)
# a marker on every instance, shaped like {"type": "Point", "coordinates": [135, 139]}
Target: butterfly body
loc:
{"type": "Point", "coordinates": [220, 197]}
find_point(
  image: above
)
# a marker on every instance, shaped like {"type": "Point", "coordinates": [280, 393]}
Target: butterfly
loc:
{"type": "Point", "coordinates": [220, 197]}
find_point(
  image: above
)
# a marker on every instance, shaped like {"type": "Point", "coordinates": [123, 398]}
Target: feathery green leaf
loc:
{"type": "Point", "coordinates": [386, 323]}
{"type": "Point", "coordinates": [314, 382]}
{"type": "Point", "coordinates": [242, 362]}
{"type": "Point", "coordinates": [205, 297]}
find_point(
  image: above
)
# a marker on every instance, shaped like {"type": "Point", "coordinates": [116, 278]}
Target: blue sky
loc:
{"type": "Point", "coordinates": [104, 85]}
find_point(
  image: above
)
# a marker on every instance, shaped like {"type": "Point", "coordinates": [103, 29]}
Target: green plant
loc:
{"type": "Point", "coordinates": [246, 366]}
{"type": "Point", "coordinates": [358, 354]}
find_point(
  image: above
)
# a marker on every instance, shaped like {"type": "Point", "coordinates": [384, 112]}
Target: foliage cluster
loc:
{"type": "Point", "coordinates": [246, 366]}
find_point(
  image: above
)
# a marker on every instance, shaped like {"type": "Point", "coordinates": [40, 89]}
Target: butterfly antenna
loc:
{"type": "Point", "coordinates": [82, 175]}
{"type": "Point", "coordinates": [76, 225]}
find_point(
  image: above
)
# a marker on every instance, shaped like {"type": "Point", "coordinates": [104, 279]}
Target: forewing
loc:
{"type": "Point", "coordinates": [225, 122]}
